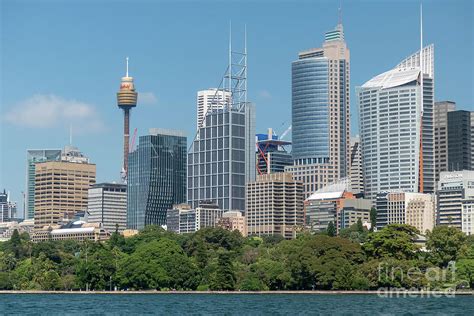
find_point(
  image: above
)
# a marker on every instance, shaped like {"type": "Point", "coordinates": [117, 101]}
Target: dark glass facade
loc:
{"type": "Point", "coordinates": [459, 141]}
{"type": "Point", "coordinates": [310, 110]}
{"type": "Point", "coordinates": [156, 178]}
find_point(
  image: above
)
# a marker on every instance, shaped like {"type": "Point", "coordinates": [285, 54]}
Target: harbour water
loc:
{"type": "Point", "coordinates": [231, 304]}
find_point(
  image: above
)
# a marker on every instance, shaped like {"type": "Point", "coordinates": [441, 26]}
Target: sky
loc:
{"type": "Point", "coordinates": [62, 61]}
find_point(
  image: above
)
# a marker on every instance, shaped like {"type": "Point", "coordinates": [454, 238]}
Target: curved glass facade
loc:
{"type": "Point", "coordinates": [310, 110]}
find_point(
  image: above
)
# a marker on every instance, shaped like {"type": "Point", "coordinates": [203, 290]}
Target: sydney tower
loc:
{"type": "Point", "coordinates": [126, 100]}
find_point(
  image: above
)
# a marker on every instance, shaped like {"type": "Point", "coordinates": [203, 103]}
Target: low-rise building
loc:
{"type": "Point", "coordinates": [183, 219]}
{"type": "Point", "coordinates": [233, 220]}
{"type": "Point", "coordinates": [78, 230]}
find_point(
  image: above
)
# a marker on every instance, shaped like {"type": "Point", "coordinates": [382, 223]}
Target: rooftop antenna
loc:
{"type": "Point", "coordinates": [340, 12]}
{"type": "Point", "coordinates": [126, 75]}
{"type": "Point", "coordinates": [230, 58]}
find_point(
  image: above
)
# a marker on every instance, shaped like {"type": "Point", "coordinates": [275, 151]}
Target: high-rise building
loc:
{"type": "Point", "coordinates": [356, 173]}
{"type": "Point", "coordinates": [156, 177]}
{"type": "Point", "coordinates": [208, 101]}
{"type": "Point", "coordinates": [182, 219]}
{"type": "Point", "coordinates": [274, 205]}
{"type": "Point", "coordinates": [8, 210]}
{"type": "Point", "coordinates": [107, 204]}
{"type": "Point", "coordinates": [320, 113]}
{"type": "Point", "coordinates": [396, 126]}
{"type": "Point", "coordinates": [460, 140]}
{"type": "Point", "coordinates": [33, 156]}
{"type": "Point", "coordinates": [441, 110]}
{"type": "Point", "coordinates": [272, 155]}
{"type": "Point", "coordinates": [454, 197]}
{"type": "Point", "coordinates": [222, 158]}
{"type": "Point", "coordinates": [61, 187]}
{"type": "Point", "coordinates": [415, 209]}
{"type": "Point", "coordinates": [126, 100]}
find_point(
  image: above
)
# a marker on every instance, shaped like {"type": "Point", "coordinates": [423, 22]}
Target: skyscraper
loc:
{"type": "Point", "coordinates": [156, 177]}
{"type": "Point", "coordinates": [320, 113]}
{"type": "Point", "coordinates": [221, 158]}
{"type": "Point", "coordinates": [33, 156]}
{"type": "Point", "coordinates": [126, 100]}
{"type": "Point", "coordinates": [356, 173]}
{"type": "Point", "coordinates": [107, 204]}
{"type": "Point", "coordinates": [396, 127]}
{"type": "Point", "coordinates": [460, 140]}
{"type": "Point", "coordinates": [61, 187]}
{"type": "Point", "coordinates": [209, 100]}
{"type": "Point", "coordinates": [441, 110]}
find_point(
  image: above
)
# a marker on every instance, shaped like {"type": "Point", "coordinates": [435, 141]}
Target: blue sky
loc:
{"type": "Point", "coordinates": [61, 64]}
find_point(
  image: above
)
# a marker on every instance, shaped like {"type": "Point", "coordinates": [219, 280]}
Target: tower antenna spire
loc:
{"type": "Point", "coordinates": [340, 13]}
{"type": "Point", "coordinates": [126, 74]}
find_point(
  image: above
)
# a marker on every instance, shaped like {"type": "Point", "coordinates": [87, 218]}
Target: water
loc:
{"type": "Point", "coordinates": [230, 304]}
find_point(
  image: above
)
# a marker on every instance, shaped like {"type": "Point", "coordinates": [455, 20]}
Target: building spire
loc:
{"type": "Point", "coordinates": [340, 14]}
{"type": "Point", "coordinates": [126, 74]}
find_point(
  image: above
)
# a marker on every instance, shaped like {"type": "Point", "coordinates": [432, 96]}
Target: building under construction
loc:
{"type": "Point", "coordinates": [272, 155]}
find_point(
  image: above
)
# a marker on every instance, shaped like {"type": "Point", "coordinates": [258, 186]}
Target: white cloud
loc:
{"type": "Point", "coordinates": [264, 94]}
{"type": "Point", "coordinates": [45, 111]}
{"type": "Point", "coordinates": [148, 98]}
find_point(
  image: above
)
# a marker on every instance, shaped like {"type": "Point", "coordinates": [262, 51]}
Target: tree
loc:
{"type": "Point", "coordinates": [445, 244]}
{"type": "Point", "coordinates": [224, 277]}
{"type": "Point", "coordinates": [331, 230]}
{"type": "Point", "coordinates": [393, 241]}
{"type": "Point", "coordinates": [373, 218]}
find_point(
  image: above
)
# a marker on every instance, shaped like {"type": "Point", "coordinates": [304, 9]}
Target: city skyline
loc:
{"type": "Point", "coordinates": [79, 87]}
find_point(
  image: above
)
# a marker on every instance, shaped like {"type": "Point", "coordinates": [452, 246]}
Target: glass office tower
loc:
{"type": "Point", "coordinates": [156, 177]}
{"type": "Point", "coordinates": [222, 158]}
{"type": "Point", "coordinates": [396, 127]}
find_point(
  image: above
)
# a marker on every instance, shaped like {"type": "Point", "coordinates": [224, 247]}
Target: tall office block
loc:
{"type": "Point", "coordinates": [455, 192]}
{"type": "Point", "coordinates": [61, 187]}
{"type": "Point", "coordinates": [222, 158]}
{"type": "Point", "coordinates": [320, 113]}
{"type": "Point", "coordinates": [33, 156]}
{"type": "Point", "coordinates": [8, 210]}
{"type": "Point", "coordinates": [414, 209]}
{"type": "Point", "coordinates": [441, 110]}
{"type": "Point", "coordinates": [460, 140]}
{"type": "Point", "coordinates": [107, 204]}
{"type": "Point", "coordinates": [396, 127]}
{"type": "Point", "coordinates": [156, 177]}
{"type": "Point", "coordinates": [208, 101]}
{"type": "Point", "coordinates": [272, 155]}
{"type": "Point", "coordinates": [274, 205]}
{"type": "Point", "coordinates": [356, 173]}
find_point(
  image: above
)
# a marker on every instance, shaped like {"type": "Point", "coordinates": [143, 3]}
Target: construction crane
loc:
{"type": "Point", "coordinates": [285, 132]}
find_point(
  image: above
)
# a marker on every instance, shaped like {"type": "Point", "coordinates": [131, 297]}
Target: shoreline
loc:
{"type": "Point", "coordinates": [382, 292]}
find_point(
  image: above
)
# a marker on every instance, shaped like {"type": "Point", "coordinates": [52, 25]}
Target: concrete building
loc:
{"type": "Point", "coordinates": [107, 204]}
{"type": "Point", "coordinates": [274, 205]}
{"type": "Point", "coordinates": [355, 172]}
{"type": "Point", "coordinates": [233, 220]}
{"type": "Point", "coordinates": [441, 110]}
{"type": "Point", "coordinates": [156, 177]}
{"type": "Point", "coordinates": [396, 126]}
{"type": "Point", "coordinates": [182, 219]}
{"type": "Point", "coordinates": [33, 156]}
{"type": "Point", "coordinates": [78, 230]}
{"type": "Point", "coordinates": [351, 210]}
{"type": "Point", "coordinates": [460, 140]}
{"type": "Point", "coordinates": [415, 209]}
{"type": "Point", "coordinates": [455, 189]}
{"type": "Point", "coordinates": [467, 215]}
{"type": "Point", "coordinates": [61, 187]}
{"type": "Point", "coordinates": [7, 228]}
{"type": "Point", "coordinates": [208, 101]}
{"type": "Point", "coordinates": [320, 113]}
{"type": "Point", "coordinates": [272, 155]}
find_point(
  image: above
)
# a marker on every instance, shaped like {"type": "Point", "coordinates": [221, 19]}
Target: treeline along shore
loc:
{"type": "Point", "coordinates": [214, 260]}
